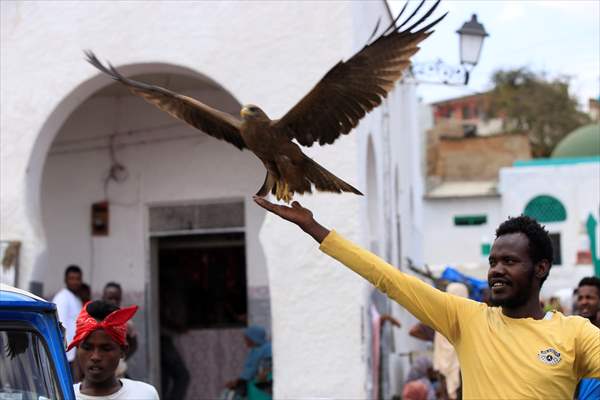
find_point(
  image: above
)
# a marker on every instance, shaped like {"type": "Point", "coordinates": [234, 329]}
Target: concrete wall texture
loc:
{"type": "Point", "coordinates": [477, 158]}
{"type": "Point", "coordinates": [267, 53]}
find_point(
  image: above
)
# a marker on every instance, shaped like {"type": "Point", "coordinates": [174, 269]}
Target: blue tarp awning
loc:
{"type": "Point", "coordinates": [476, 286]}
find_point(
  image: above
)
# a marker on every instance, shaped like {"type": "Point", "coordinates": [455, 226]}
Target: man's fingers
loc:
{"type": "Point", "coordinates": [264, 203]}
{"type": "Point", "coordinates": [267, 205]}
{"type": "Point", "coordinates": [295, 204]}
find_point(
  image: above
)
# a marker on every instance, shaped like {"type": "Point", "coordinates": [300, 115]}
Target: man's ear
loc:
{"type": "Point", "coordinates": [542, 269]}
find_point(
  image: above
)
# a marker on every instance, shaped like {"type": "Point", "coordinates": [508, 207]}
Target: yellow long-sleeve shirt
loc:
{"type": "Point", "coordinates": [500, 357]}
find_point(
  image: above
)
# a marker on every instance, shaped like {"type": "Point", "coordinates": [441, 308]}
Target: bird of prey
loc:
{"type": "Point", "coordinates": [333, 107]}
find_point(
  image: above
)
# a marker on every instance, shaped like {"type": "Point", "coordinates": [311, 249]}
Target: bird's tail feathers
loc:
{"type": "Point", "coordinates": [326, 181]}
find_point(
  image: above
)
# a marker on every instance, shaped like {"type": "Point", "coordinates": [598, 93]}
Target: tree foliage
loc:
{"type": "Point", "coordinates": [531, 103]}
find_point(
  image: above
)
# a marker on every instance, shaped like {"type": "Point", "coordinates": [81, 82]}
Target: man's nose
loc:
{"type": "Point", "coordinates": [95, 355]}
{"type": "Point", "coordinates": [497, 269]}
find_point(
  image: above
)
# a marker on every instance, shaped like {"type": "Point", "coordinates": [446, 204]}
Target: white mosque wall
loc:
{"type": "Point", "coordinates": [577, 187]}
{"type": "Point", "coordinates": [459, 246]}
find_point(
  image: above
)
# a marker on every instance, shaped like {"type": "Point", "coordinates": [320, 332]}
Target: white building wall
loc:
{"type": "Point", "coordinates": [268, 53]}
{"type": "Point", "coordinates": [448, 244]}
{"type": "Point", "coordinates": [577, 187]}
{"type": "Point", "coordinates": [170, 166]}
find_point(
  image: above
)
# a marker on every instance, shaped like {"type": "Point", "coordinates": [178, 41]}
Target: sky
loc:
{"type": "Point", "coordinates": [559, 38]}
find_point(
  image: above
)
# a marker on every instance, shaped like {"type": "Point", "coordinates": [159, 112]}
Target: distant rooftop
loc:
{"type": "Point", "coordinates": [459, 189]}
{"type": "Point", "coordinates": [460, 98]}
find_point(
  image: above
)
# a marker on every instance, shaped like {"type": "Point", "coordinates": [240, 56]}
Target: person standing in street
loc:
{"type": "Point", "coordinates": [68, 306]}
{"type": "Point", "coordinates": [113, 294]}
{"type": "Point", "coordinates": [101, 343]}
{"type": "Point", "coordinates": [510, 350]}
{"type": "Point", "coordinates": [588, 306]}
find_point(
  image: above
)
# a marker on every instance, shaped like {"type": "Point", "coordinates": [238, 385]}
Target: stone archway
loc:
{"type": "Point", "coordinates": [46, 136]}
{"type": "Point", "coordinates": [167, 163]}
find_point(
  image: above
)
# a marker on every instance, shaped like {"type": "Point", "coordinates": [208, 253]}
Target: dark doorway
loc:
{"type": "Point", "coordinates": [209, 273]}
{"type": "Point", "coordinates": [203, 309]}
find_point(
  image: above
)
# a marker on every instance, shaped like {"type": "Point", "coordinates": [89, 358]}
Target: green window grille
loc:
{"type": "Point", "coordinates": [485, 249]}
{"type": "Point", "coordinates": [464, 220]}
{"type": "Point", "coordinates": [546, 209]}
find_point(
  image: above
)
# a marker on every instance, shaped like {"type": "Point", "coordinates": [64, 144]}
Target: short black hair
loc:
{"type": "Point", "coordinates": [100, 309]}
{"type": "Point", "coordinates": [590, 281]}
{"type": "Point", "coordinates": [540, 244]}
{"type": "Point", "coordinates": [72, 268]}
{"type": "Point", "coordinates": [113, 285]}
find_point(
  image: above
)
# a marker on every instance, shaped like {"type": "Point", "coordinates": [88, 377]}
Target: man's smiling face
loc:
{"type": "Point", "coordinates": [511, 272]}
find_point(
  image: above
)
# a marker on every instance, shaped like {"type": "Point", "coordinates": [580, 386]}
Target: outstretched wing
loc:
{"type": "Point", "coordinates": [209, 120]}
{"type": "Point", "coordinates": [353, 88]}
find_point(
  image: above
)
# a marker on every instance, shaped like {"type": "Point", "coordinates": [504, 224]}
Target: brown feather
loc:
{"type": "Point", "coordinates": [209, 120]}
{"type": "Point", "coordinates": [346, 93]}
{"type": "Point", "coordinates": [364, 81]}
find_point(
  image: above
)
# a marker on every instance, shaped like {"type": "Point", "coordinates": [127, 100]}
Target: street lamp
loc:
{"type": "Point", "coordinates": [471, 36]}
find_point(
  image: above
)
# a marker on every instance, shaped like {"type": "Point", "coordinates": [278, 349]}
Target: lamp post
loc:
{"type": "Point", "coordinates": [471, 36]}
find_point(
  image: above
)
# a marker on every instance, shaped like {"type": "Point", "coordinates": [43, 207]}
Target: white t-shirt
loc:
{"type": "Point", "coordinates": [131, 390]}
{"type": "Point", "coordinates": [68, 307]}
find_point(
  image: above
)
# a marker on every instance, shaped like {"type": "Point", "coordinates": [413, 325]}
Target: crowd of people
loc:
{"type": "Point", "coordinates": [509, 346]}
{"type": "Point", "coordinates": [101, 337]}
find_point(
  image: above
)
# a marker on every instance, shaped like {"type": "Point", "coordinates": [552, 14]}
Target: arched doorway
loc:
{"type": "Point", "coordinates": [131, 194]}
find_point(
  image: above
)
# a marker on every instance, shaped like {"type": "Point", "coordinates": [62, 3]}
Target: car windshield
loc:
{"type": "Point", "coordinates": [26, 372]}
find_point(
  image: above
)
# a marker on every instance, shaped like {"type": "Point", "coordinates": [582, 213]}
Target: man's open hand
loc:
{"type": "Point", "coordinates": [297, 214]}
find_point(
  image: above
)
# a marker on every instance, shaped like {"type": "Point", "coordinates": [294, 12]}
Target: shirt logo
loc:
{"type": "Point", "coordinates": [549, 356]}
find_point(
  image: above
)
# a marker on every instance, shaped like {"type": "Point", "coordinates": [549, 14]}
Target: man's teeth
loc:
{"type": "Point", "coordinates": [498, 284]}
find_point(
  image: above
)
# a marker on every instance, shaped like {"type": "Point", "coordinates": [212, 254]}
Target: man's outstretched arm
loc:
{"type": "Point", "coordinates": [429, 305]}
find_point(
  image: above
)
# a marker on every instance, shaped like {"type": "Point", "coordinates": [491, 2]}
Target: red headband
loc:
{"type": "Point", "coordinates": [115, 324]}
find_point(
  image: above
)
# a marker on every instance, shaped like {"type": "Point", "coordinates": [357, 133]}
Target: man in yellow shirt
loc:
{"type": "Point", "coordinates": [510, 350]}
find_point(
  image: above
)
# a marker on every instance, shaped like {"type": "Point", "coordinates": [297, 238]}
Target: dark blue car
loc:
{"type": "Point", "coordinates": [33, 363]}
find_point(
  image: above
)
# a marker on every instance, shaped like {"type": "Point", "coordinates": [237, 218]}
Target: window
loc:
{"type": "Point", "coordinates": [556, 253]}
{"type": "Point", "coordinates": [25, 368]}
{"type": "Point", "coordinates": [546, 209]}
{"type": "Point", "coordinates": [467, 220]}
{"type": "Point", "coordinates": [466, 112]}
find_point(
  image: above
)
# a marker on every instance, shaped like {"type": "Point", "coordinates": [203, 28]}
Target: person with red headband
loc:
{"type": "Point", "coordinates": [100, 338]}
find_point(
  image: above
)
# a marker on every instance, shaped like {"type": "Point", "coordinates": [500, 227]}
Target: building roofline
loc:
{"type": "Point", "coordinates": [452, 100]}
{"type": "Point", "coordinates": [544, 162]}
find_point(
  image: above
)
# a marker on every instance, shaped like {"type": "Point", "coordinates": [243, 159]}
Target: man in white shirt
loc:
{"type": "Point", "coordinates": [68, 305]}
{"type": "Point", "coordinates": [101, 342]}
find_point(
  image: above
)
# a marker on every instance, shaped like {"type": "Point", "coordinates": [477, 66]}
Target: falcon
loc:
{"type": "Point", "coordinates": [332, 108]}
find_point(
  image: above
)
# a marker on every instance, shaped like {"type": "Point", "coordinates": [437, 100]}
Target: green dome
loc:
{"type": "Point", "coordinates": [582, 142]}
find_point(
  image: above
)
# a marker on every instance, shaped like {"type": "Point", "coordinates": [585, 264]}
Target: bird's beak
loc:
{"type": "Point", "coordinates": [245, 112]}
